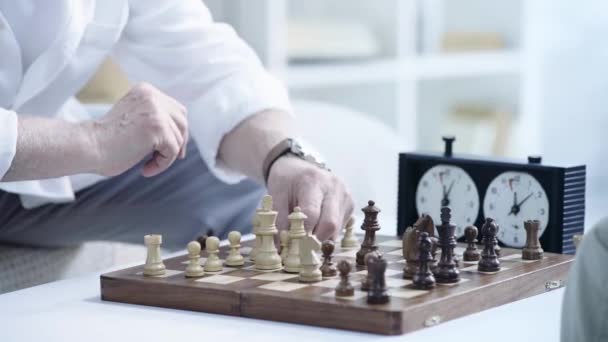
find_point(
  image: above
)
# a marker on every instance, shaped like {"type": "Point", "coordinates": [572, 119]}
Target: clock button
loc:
{"type": "Point", "coordinates": [449, 140]}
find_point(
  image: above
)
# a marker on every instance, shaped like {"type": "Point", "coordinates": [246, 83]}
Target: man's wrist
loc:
{"type": "Point", "coordinates": [245, 148]}
{"type": "Point", "coordinates": [86, 133]}
{"type": "Point", "coordinates": [288, 147]}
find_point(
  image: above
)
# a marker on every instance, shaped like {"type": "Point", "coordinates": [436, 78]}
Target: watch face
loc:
{"type": "Point", "coordinates": [447, 185]}
{"type": "Point", "coordinates": [511, 199]}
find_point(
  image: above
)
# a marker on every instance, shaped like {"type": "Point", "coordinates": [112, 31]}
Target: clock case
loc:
{"type": "Point", "coordinates": [564, 186]}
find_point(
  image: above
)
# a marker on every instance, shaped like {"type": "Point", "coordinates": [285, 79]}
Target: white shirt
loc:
{"type": "Point", "coordinates": [51, 48]}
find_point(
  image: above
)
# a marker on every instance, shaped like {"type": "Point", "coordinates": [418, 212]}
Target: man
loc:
{"type": "Point", "coordinates": [201, 80]}
{"type": "Point", "coordinates": [585, 306]}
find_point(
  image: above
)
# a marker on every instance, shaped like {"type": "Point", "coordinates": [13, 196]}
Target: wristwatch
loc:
{"type": "Point", "coordinates": [288, 146]}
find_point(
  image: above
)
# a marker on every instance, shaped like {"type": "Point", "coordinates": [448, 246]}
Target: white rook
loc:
{"type": "Point", "coordinates": [154, 263]}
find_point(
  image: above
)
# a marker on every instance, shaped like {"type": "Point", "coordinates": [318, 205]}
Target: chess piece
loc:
{"type": "Point", "coordinates": [446, 271]}
{"type": "Point", "coordinates": [154, 263]}
{"type": "Point", "coordinates": [410, 245]}
{"type": "Point", "coordinates": [344, 288]}
{"type": "Point", "coordinates": [258, 238]}
{"type": "Point", "coordinates": [489, 260]}
{"type": "Point", "coordinates": [483, 241]}
{"type": "Point", "coordinates": [532, 250]}
{"type": "Point", "coordinates": [284, 242]}
{"type": "Point", "coordinates": [309, 260]}
{"type": "Point", "coordinates": [423, 278]}
{"type": "Point", "coordinates": [213, 263]}
{"type": "Point", "coordinates": [434, 247]}
{"type": "Point", "coordinates": [370, 226]}
{"type": "Point", "coordinates": [194, 268]}
{"type": "Point", "coordinates": [376, 269]}
{"type": "Point", "coordinates": [267, 257]}
{"type": "Point", "coordinates": [366, 281]}
{"type": "Point", "coordinates": [497, 248]}
{"type": "Point", "coordinates": [425, 224]}
{"type": "Point", "coordinates": [201, 239]}
{"type": "Point", "coordinates": [410, 252]}
{"type": "Point", "coordinates": [349, 240]}
{"type": "Point", "coordinates": [470, 236]}
{"type": "Point", "coordinates": [328, 269]}
{"type": "Point", "coordinates": [235, 258]}
{"type": "Point", "coordinates": [296, 233]}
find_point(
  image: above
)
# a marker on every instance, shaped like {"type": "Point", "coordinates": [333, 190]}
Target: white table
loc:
{"type": "Point", "coordinates": [71, 310]}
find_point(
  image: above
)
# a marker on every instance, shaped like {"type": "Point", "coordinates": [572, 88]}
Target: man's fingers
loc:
{"type": "Point", "coordinates": [180, 119]}
{"type": "Point", "coordinates": [348, 206]}
{"type": "Point", "coordinates": [180, 138]}
{"type": "Point", "coordinates": [280, 201]}
{"type": "Point", "coordinates": [163, 157]}
{"type": "Point", "coordinates": [310, 198]}
{"type": "Point", "coordinates": [178, 115]}
{"type": "Point", "coordinates": [182, 153]}
{"type": "Point", "coordinates": [330, 220]}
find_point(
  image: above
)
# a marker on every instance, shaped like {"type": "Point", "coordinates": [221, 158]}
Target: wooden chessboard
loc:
{"type": "Point", "coordinates": [279, 296]}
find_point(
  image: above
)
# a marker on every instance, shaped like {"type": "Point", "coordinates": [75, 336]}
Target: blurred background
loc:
{"type": "Point", "coordinates": [508, 78]}
{"type": "Point", "coordinates": [370, 79]}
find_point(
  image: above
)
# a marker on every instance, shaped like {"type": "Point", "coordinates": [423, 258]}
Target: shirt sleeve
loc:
{"type": "Point", "coordinates": [8, 139]}
{"type": "Point", "coordinates": [177, 47]}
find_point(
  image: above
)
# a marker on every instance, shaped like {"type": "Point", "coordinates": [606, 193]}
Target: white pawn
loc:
{"type": "Point", "coordinates": [349, 241]}
{"type": "Point", "coordinates": [284, 239]}
{"type": "Point", "coordinates": [194, 269]}
{"type": "Point", "coordinates": [234, 257]}
{"type": "Point", "coordinates": [154, 263]}
{"type": "Point", "coordinates": [213, 263]}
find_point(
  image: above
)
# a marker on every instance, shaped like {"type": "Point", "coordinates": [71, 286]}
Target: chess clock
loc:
{"type": "Point", "coordinates": [508, 191]}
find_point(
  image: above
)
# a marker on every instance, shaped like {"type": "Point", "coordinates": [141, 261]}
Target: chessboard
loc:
{"type": "Point", "coordinates": [278, 296]}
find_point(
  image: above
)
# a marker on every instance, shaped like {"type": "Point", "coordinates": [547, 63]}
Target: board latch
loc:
{"type": "Point", "coordinates": [554, 284]}
{"type": "Point", "coordinates": [433, 320]}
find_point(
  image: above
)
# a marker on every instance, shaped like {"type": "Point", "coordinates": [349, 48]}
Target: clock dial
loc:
{"type": "Point", "coordinates": [447, 185]}
{"type": "Point", "coordinates": [512, 198]}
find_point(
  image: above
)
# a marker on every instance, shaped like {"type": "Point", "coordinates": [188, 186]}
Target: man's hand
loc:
{"type": "Point", "coordinates": [143, 122]}
{"type": "Point", "coordinates": [321, 195]}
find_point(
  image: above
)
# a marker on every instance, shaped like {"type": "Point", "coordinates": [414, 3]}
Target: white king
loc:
{"type": "Point", "coordinates": [296, 232]}
{"type": "Point", "coordinates": [267, 257]}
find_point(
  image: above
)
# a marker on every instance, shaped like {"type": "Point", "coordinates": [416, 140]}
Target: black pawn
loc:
{"type": "Point", "coordinates": [344, 288]}
{"type": "Point", "coordinates": [489, 260]}
{"type": "Point", "coordinates": [366, 281]}
{"type": "Point", "coordinates": [376, 269]}
{"type": "Point", "coordinates": [423, 278]}
{"type": "Point", "coordinates": [328, 269]}
{"type": "Point", "coordinates": [471, 253]}
{"type": "Point", "coordinates": [446, 272]}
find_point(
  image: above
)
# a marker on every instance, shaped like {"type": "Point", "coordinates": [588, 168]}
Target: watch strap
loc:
{"type": "Point", "coordinates": [287, 146]}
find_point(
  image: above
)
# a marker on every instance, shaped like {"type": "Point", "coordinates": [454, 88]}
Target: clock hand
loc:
{"type": "Point", "coordinates": [445, 201]}
{"type": "Point", "coordinates": [524, 200]}
{"type": "Point", "coordinates": [515, 206]}
{"type": "Point", "coordinates": [450, 189]}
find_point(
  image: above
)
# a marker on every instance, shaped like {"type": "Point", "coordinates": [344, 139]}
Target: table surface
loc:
{"type": "Point", "coordinates": [71, 309]}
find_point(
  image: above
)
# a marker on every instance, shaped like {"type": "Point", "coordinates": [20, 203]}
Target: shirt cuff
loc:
{"type": "Point", "coordinates": [8, 139]}
{"type": "Point", "coordinates": [225, 106]}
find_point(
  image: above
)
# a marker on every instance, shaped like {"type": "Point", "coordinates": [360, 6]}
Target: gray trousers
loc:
{"type": "Point", "coordinates": [585, 307]}
{"type": "Point", "coordinates": [181, 203]}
